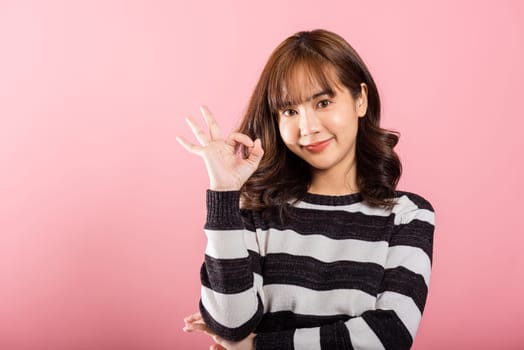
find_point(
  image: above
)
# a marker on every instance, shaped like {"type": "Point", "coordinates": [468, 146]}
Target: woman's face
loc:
{"type": "Point", "coordinates": [322, 130]}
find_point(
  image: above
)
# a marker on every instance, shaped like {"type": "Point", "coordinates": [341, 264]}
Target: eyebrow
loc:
{"type": "Point", "coordinates": [328, 92]}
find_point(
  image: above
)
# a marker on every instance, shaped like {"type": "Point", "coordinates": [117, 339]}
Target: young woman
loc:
{"type": "Point", "coordinates": [310, 245]}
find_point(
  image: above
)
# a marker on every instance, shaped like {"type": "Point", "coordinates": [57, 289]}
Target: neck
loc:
{"type": "Point", "coordinates": [337, 181]}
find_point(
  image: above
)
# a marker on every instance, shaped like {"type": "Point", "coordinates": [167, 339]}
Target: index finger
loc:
{"type": "Point", "coordinates": [214, 128]}
{"type": "Point", "coordinates": [193, 317]}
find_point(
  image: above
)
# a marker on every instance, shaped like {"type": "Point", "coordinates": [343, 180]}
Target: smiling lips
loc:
{"type": "Point", "coordinates": [317, 147]}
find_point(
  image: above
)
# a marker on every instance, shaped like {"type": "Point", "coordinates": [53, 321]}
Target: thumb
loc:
{"type": "Point", "coordinates": [256, 153]}
{"type": "Point", "coordinates": [217, 347]}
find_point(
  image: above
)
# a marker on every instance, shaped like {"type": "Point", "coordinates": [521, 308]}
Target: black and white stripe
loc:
{"type": "Point", "coordinates": [338, 274]}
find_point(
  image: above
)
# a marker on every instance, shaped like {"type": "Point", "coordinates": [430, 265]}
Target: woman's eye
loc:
{"type": "Point", "coordinates": [289, 112]}
{"type": "Point", "coordinates": [324, 103]}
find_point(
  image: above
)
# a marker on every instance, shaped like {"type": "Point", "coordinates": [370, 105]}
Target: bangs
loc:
{"type": "Point", "coordinates": [297, 79]}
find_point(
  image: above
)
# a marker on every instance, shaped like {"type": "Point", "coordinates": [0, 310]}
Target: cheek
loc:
{"type": "Point", "coordinates": [343, 121]}
{"type": "Point", "coordinates": [288, 132]}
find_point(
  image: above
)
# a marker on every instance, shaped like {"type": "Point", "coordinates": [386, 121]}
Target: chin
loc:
{"type": "Point", "coordinates": [320, 166]}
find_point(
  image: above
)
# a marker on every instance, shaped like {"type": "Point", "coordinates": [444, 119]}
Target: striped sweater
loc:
{"type": "Point", "coordinates": [338, 274]}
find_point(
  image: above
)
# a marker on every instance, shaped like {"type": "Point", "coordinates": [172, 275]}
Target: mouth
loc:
{"type": "Point", "coordinates": [316, 147]}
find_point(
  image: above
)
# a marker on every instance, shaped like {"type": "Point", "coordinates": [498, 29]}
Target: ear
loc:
{"type": "Point", "coordinates": [362, 100]}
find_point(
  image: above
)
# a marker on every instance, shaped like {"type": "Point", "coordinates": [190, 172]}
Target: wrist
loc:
{"type": "Point", "coordinates": [223, 184]}
{"type": "Point", "coordinates": [224, 188]}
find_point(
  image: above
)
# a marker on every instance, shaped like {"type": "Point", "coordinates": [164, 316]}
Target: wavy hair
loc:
{"type": "Point", "coordinates": [282, 176]}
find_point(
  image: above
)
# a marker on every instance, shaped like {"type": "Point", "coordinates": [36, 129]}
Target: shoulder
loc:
{"type": "Point", "coordinates": [410, 206]}
{"type": "Point", "coordinates": [416, 199]}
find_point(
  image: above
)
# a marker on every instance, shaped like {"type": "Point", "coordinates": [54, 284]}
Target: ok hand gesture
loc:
{"type": "Point", "coordinates": [228, 170]}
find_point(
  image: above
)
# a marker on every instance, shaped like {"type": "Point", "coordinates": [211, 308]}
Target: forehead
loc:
{"type": "Point", "coordinates": [305, 80]}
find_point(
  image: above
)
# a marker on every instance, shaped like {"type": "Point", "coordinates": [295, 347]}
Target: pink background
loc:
{"type": "Point", "coordinates": [101, 211]}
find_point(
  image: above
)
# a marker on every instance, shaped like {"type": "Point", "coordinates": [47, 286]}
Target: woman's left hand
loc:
{"type": "Point", "coordinates": [195, 322]}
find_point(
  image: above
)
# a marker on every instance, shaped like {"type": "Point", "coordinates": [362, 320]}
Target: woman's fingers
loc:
{"type": "Point", "coordinates": [255, 147]}
{"type": "Point", "coordinates": [200, 135]}
{"type": "Point", "coordinates": [237, 137]}
{"type": "Point", "coordinates": [189, 146]}
{"type": "Point", "coordinates": [203, 137]}
{"type": "Point", "coordinates": [190, 327]}
{"type": "Point", "coordinates": [200, 327]}
{"type": "Point", "coordinates": [214, 128]}
{"type": "Point", "coordinates": [193, 317]}
{"type": "Point", "coordinates": [217, 347]}
{"type": "Point", "coordinates": [217, 339]}
{"type": "Point", "coordinates": [195, 326]}
{"type": "Point", "coordinates": [194, 322]}
{"type": "Point", "coordinates": [256, 153]}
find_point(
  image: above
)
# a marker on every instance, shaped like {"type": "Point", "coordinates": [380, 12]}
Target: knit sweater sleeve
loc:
{"type": "Point", "coordinates": [231, 295]}
{"type": "Point", "coordinates": [394, 321]}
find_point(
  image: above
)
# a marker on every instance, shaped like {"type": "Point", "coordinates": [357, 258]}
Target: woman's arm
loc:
{"type": "Point", "coordinates": [230, 302]}
{"type": "Point", "coordinates": [232, 297]}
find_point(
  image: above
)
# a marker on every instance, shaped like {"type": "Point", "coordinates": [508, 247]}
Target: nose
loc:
{"type": "Point", "coordinates": [309, 123]}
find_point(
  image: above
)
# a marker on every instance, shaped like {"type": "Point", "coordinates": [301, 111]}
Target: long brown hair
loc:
{"type": "Point", "coordinates": [282, 176]}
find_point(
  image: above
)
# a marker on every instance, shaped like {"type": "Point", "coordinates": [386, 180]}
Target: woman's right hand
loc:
{"type": "Point", "coordinates": [195, 322]}
{"type": "Point", "coordinates": [228, 170]}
